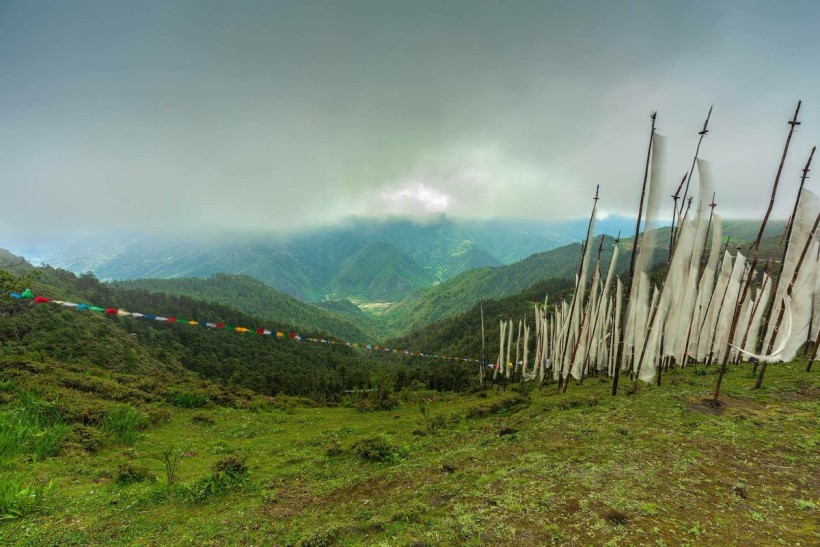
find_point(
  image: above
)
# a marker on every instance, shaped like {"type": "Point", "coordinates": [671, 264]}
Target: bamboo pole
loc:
{"type": "Point", "coordinates": [702, 134]}
{"type": "Point", "coordinates": [755, 254]}
{"type": "Point", "coordinates": [788, 235]}
{"type": "Point", "coordinates": [675, 198]}
{"type": "Point", "coordinates": [805, 250]}
{"type": "Point", "coordinates": [575, 298]}
{"type": "Point", "coordinates": [620, 353]}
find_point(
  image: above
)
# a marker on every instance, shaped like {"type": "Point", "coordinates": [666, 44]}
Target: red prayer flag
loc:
{"type": "Point", "coordinates": [40, 299]}
{"type": "Point", "coordinates": [111, 311]}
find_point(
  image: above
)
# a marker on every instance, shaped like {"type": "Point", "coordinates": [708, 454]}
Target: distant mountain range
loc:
{"type": "Point", "coordinates": [362, 259]}
{"type": "Point", "coordinates": [377, 271]}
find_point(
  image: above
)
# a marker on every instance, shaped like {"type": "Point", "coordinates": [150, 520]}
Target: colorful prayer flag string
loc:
{"type": "Point", "coordinates": [28, 295]}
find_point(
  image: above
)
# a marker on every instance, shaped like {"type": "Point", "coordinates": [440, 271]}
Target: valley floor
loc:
{"type": "Point", "coordinates": [656, 467]}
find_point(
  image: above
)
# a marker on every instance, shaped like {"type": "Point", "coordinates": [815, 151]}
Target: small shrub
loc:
{"type": "Point", "coordinates": [374, 449]}
{"type": "Point", "coordinates": [18, 499]}
{"type": "Point", "coordinates": [189, 399]}
{"type": "Point", "coordinates": [122, 422]}
{"type": "Point", "coordinates": [204, 488]}
{"type": "Point", "coordinates": [618, 518]}
{"type": "Point", "coordinates": [158, 415]}
{"type": "Point", "coordinates": [432, 423]}
{"type": "Point", "coordinates": [333, 448]}
{"type": "Point", "coordinates": [570, 403]}
{"type": "Point", "coordinates": [86, 437]}
{"type": "Point", "coordinates": [169, 456]}
{"type": "Point", "coordinates": [6, 385]}
{"type": "Point", "coordinates": [322, 537]}
{"type": "Point", "coordinates": [232, 469]}
{"type": "Point", "coordinates": [203, 418]}
{"type": "Point", "coordinates": [484, 410]}
{"type": "Point", "coordinates": [228, 473]}
{"type": "Point", "coordinates": [700, 371]}
{"type": "Point", "coordinates": [128, 473]}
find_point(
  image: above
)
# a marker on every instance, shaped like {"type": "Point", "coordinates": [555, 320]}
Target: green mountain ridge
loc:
{"type": "Point", "coordinates": [306, 264]}
{"type": "Point", "coordinates": [259, 300]}
{"type": "Point", "coordinates": [264, 364]}
{"type": "Point", "coordinates": [378, 273]}
{"type": "Point", "coordinates": [460, 293]}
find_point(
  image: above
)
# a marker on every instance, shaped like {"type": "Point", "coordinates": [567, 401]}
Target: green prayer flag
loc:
{"type": "Point", "coordinates": [27, 294]}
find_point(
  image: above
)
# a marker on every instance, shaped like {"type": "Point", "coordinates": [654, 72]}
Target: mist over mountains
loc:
{"type": "Point", "coordinates": [361, 259]}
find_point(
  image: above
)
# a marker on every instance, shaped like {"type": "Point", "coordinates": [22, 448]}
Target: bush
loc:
{"type": "Point", "coordinates": [333, 448]}
{"type": "Point", "coordinates": [158, 415]}
{"type": "Point", "coordinates": [122, 422]}
{"type": "Point", "coordinates": [18, 499]}
{"type": "Point", "coordinates": [228, 473]}
{"type": "Point", "coordinates": [86, 438]}
{"type": "Point", "coordinates": [374, 449]}
{"type": "Point", "coordinates": [203, 418]}
{"type": "Point", "coordinates": [169, 456]}
{"type": "Point", "coordinates": [128, 474]}
{"type": "Point", "coordinates": [321, 537]}
{"type": "Point", "coordinates": [189, 399]}
{"type": "Point", "coordinates": [432, 423]}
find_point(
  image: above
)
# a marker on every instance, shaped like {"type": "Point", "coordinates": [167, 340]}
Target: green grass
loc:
{"type": "Point", "coordinates": [30, 425]}
{"type": "Point", "coordinates": [582, 468]}
{"type": "Point", "coordinates": [122, 422]}
{"type": "Point", "coordinates": [19, 499]}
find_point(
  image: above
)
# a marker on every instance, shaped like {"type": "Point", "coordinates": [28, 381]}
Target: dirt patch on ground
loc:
{"type": "Point", "coordinates": [707, 406]}
{"type": "Point", "coordinates": [801, 391]}
{"type": "Point", "coordinates": [287, 499]}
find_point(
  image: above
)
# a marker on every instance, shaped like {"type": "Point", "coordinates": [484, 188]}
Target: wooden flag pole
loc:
{"type": "Point", "coordinates": [755, 251]}
{"type": "Point", "coordinates": [620, 353]}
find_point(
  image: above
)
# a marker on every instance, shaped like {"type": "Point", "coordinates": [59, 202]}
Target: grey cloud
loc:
{"type": "Point", "coordinates": [261, 115]}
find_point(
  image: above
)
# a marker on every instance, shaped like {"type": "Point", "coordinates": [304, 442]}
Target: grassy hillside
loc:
{"type": "Point", "coordinates": [266, 364]}
{"type": "Point", "coordinates": [508, 468]}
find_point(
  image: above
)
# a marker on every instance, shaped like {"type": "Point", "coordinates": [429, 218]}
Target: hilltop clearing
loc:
{"type": "Point", "coordinates": [509, 468]}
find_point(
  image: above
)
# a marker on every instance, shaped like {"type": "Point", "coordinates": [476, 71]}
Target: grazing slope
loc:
{"type": "Point", "coordinates": [579, 469]}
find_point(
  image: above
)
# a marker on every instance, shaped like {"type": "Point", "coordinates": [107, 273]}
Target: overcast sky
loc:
{"type": "Point", "coordinates": [279, 115]}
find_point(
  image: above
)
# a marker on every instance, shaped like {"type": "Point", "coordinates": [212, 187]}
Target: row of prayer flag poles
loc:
{"type": "Point", "coordinates": [28, 295]}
